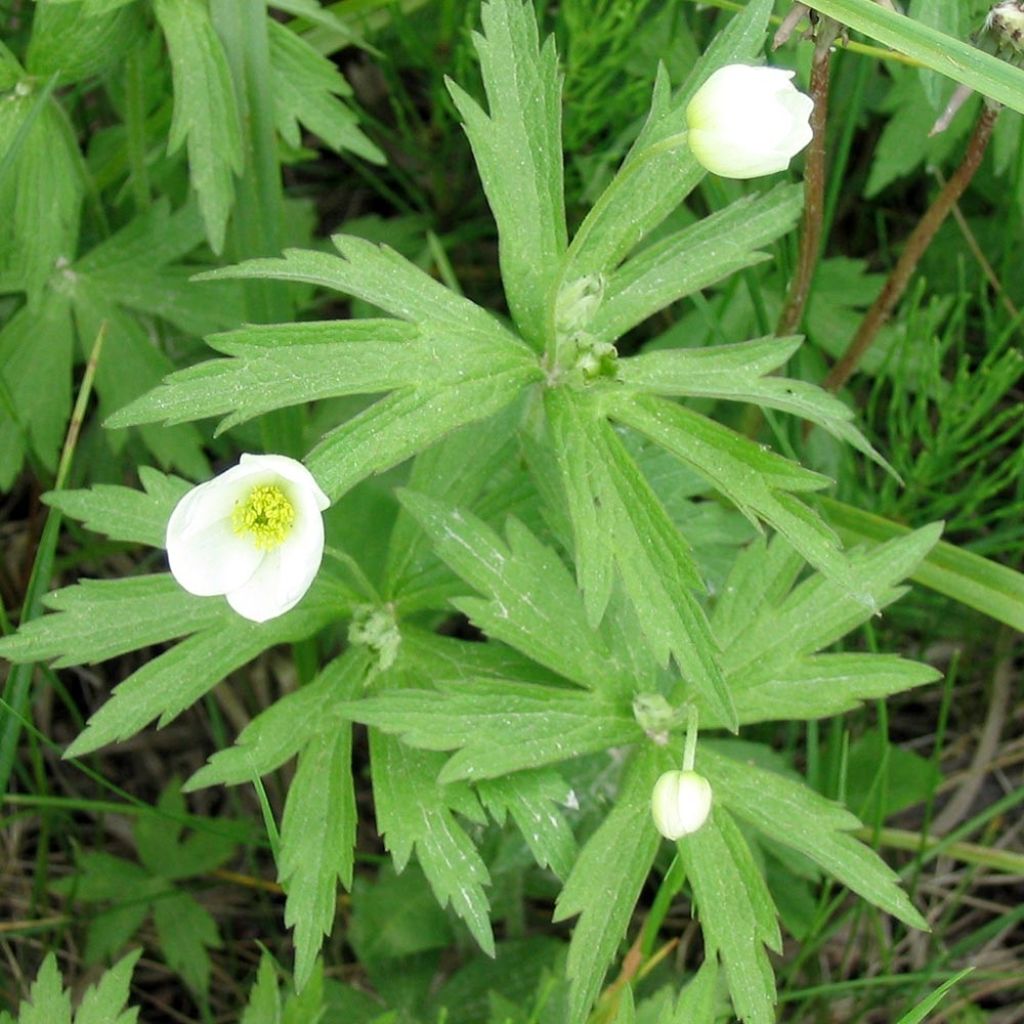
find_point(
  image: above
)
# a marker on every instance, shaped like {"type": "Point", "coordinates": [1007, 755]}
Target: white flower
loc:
{"type": "Point", "coordinates": [680, 803]}
{"type": "Point", "coordinates": [255, 534]}
{"type": "Point", "coordinates": [747, 121]}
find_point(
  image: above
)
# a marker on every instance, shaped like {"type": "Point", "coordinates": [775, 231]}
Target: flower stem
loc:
{"type": "Point", "coordinates": [918, 242]}
{"type": "Point", "coordinates": [690, 749]}
{"type": "Point", "coordinates": [814, 199]}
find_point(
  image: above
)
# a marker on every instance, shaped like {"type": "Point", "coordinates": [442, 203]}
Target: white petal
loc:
{"type": "Point", "coordinates": [292, 470]}
{"type": "Point", "coordinates": [287, 572]}
{"type": "Point", "coordinates": [212, 559]}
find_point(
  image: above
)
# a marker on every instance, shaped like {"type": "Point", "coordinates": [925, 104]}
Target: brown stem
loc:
{"type": "Point", "coordinates": [814, 199]}
{"type": "Point", "coordinates": [919, 240]}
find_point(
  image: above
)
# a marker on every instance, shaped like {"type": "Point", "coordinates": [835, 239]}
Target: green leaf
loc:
{"type": "Point", "coordinates": [607, 878]}
{"type": "Point", "coordinates": [100, 619]}
{"type": "Point", "coordinates": [694, 258]}
{"type": "Point", "coordinates": [384, 278]}
{"type": "Point", "coordinates": [737, 916]}
{"type": "Point", "coordinates": [413, 811]}
{"type": "Point", "coordinates": [396, 916]}
{"type": "Point", "coordinates": [139, 268]}
{"type": "Point", "coordinates": [275, 366]}
{"type": "Point", "coordinates": [408, 421]}
{"type": "Point", "coordinates": [578, 448]}
{"type": "Point", "coordinates": [77, 41]}
{"type": "Point", "coordinates": [36, 349]}
{"type": "Point", "coordinates": [988, 587]}
{"type": "Point", "coordinates": [185, 931]}
{"type": "Point", "coordinates": [124, 513]}
{"type": "Point", "coordinates": [532, 603]}
{"type": "Point", "coordinates": [498, 726]}
{"type": "Point", "coordinates": [829, 684]}
{"type": "Point", "coordinates": [48, 1003]}
{"type": "Point", "coordinates": [531, 799]}
{"type": "Point", "coordinates": [205, 110]}
{"type": "Point", "coordinates": [755, 480]}
{"type": "Point", "coordinates": [921, 1011]}
{"type": "Point", "coordinates": [659, 577]}
{"type": "Point", "coordinates": [176, 679]}
{"type": "Point", "coordinates": [936, 50]}
{"type": "Point", "coordinates": [104, 1002]}
{"type": "Point", "coordinates": [278, 733]}
{"type": "Point", "coordinates": [738, 373]}
{"type": "Point", "coordinates": [318, 835]}
{"type": "Point", "coordinates": [697, 1002]}
{"type": "Point", "coordinates": [459, 470]}
{"type": "Point", "coordinates": [518, 151]}
{"type": "Point", "coordinates": [819, 612]}
{"type": "Point", "coordinates": [790, 813]}
{"type": "Point", "coordinates": [41, 187]}
{"type": "Point", "coordinates": [659, 171]}
{"type": "Point", "coordinates": [131, 364]}
{"type": "Point", "coordinates": [158, 839]}
{"type": "Point", "coordinates": [264, 1005]}
{"type": "Point", "coordinates": [308, 88]}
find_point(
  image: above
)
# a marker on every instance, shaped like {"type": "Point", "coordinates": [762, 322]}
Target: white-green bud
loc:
{"type": "Point", "coordinates": [680, 803]}
{"type": "Point", "coordinates": [747, 121]}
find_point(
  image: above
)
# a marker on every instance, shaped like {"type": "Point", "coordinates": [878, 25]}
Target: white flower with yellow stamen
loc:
{"type": "Point", "coordinates": [254, 534]}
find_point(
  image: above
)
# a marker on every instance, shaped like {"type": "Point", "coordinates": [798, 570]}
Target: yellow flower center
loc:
{"type": "Point", "coordinates": [266, 514]}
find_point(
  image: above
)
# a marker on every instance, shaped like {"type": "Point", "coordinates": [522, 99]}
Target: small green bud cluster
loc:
{"type": "Point", "coordinates": [375, 628]}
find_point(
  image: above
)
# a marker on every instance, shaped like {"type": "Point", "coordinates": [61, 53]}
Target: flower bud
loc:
{"type": "Point", "coordinates": [680, 803]}
{"type": "Point", "coordinates": [747, 121]}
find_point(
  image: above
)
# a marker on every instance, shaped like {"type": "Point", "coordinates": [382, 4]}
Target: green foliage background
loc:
{"type": "Point", "coordinates": [526, 346]}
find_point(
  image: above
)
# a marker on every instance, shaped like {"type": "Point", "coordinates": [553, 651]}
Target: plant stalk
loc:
{"type": "Point", "coordinates": [916, 245]}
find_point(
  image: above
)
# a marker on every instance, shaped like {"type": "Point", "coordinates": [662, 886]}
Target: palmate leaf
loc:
{"type": "Point", "coordinates": [617, 517]}
{"type": "Point", "coordinates": [498, 725]}
{"type": "Point", "coordinates": [100, 619]}
{"type": "Point", "coordinates": [694, 258]}
{"type": "Point", "coordinates": [123, 513]}
{"type": "Point", "coordinates": [318, 830]}
{"type": "Point", "coordinates": [737, 916]}
{"type": "Point", "coordinates": [792, 814]}
{"type": "Point", "coordinates": [174, 680]}
{"type": "Point", "coordinates": [186, 931]}
{"type": "Point", "coordinates": [414, 812]}
{"type": "Point", "coordinates": [770, 633]}
{"type": "Point", "coordinates": [607, 878]}
{"type": "Point", "coordinates": [309, 88]}
{"type": "Point", "coordinates": [757, 481]}
{"type": "Point", "coordinates": [41, 188]}
{"type": "Point", "coordinates": [380, 276]}
{"type": "Point", "coordinates": [280, 731]}
{"type": "Point", "coordinates": [408, 421]}
{"type": "Point", "coordinates": [517, 148]}
{"type": "Point", "coordinates": [205, 110]}
{"type": "Point", "coordinates": [530, 799]}
{"type": "Point", "coordinates": [738, 373]}
{"type": "Point", "coordinates": [818, 612]}
{"type": "Point", "coordinates": [103, 1003]}
{"type": "Point", "coordinates": [532, 603]}
{"type": "Point", "coordinates": [35, 379]}
{"type": "Point", "coordinates": [275, 366]}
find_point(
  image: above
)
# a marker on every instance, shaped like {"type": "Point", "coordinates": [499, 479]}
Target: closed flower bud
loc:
{"type": "Point", "coordinates": [254, 534]}
{"type": "Point", "coordinates": [747, 121]}
{"type": "Point", "coordinates": [680, 803]}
